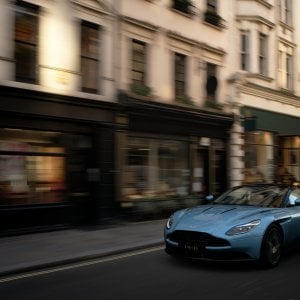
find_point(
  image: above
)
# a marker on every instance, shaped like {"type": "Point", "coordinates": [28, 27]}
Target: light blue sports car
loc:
{"type": "Point", "coordinates": [249, 222]}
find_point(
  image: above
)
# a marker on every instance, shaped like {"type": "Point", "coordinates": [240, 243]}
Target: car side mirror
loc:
{"type": "Point", "coordinates": [297, 202]}
{"type": "Point", "coordinates": [209, 198]}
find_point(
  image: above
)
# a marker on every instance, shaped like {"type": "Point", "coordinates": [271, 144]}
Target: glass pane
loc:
{"type": "Point", "coordinates": [155, 168]}
{"type": "Point", "coordinates": [90, 42]}
{"type": "Point", "coordinates": [32, 167]}
{"type": "Point", "coordinates": [89, 69]}
{"type": "Point", "coordinates": [25, 56]}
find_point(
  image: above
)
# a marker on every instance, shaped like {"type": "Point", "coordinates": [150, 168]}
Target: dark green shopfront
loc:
{"type": "Point", "coordinates": [67, 161]}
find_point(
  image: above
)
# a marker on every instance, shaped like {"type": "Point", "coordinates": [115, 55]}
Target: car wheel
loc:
{"type": "Point", "coordinates": [271, 247]}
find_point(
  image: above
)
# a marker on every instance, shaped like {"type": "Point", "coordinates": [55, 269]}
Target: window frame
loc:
{"type": "Point", "coordinates": [26, 70]}
{"type": "Point", "coordinates": [89, 58]}
{"type": "Point", "coordinates": [180, 75]}
{"type": "Point", "coordinates": [244, 48]}
{"type": "Point", "coordinates": [263, 54]}
{"type": "Point", "coordinates": [212, 6]}
{"type": "Point", "coordinates": [285, 7]}
{"type": "Point", "coordinates": [289, 71]}
{"type": "Point", "coordinates": [142, 61]}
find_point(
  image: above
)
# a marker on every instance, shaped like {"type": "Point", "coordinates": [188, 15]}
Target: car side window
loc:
{"type": "Point", "coordinates": [294, 197]}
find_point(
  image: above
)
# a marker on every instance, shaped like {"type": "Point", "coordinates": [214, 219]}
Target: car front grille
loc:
{"type": "Point", "coordinates": [184, 237]}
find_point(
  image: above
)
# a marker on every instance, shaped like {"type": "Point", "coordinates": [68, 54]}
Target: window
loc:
{"type": "Point", "coordinates": [263, 54]}
{"type": "Point", "coordinates": [259, 156]}
{"type": "Point", "coordinates": [211, 15]}
{"type": "Point", "coordinates": [180, 73]}
{"type": "Point", "coordinates": [90, 45]}
{"type": "Point", "coordinates": [245, 50]}
{"type": "Point", "coordinates": [26, 42]}
{"type": "Point", "coordinates": [183, 5]}
{"type": "Point", "coordinates": [211, 81]}
{"type": "Point", "coordinates": [280, 69]}
{"type": "Point", "coordinates": [285, 8]}
{"type": "Point", "coordinates": [138, 68]}
{"type": "Point", "coordinates": [32, 167]}
{"type": "Point", "coordinates": [212, 6]}
{"type": "Point", "coordinates": [285, 70]}
{"type": "Point", "coordinates": [289, 71]}
{"type": "Point", "coordinates": [155, 168]}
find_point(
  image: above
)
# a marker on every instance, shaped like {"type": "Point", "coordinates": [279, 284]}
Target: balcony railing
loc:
{"type": "Point", "coordinates": [184, 6]}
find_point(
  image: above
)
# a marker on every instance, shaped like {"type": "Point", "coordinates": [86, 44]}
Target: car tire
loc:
{"type": "Point", "coordinates": [271, 248]}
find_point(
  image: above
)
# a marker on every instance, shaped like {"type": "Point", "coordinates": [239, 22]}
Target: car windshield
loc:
{"type": "Point", "coordinates": [265, 196]}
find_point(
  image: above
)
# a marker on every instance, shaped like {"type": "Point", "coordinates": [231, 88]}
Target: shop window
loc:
{"type": "Point", "coordinates": [259, 156]}
{"type": "Point", "coordinates": [32, 167]}
{"type": "Point", "coordinates": [289, 162]}
{"type": "Point", "coordinates": [155, 168]}
{"type": "Point", "coordinates": [26, 42]}
{"type": "Point", "coordinates": [90, 45]}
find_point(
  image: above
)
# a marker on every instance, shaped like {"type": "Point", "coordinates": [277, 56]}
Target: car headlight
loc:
{"type": "Point", "coordinates": [169, 222]}
{"type": "Point", "coordinates": [240, 229]}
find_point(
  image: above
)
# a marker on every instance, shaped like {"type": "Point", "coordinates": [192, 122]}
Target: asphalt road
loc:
{"type": "Point", "coordinates": [151, 274]}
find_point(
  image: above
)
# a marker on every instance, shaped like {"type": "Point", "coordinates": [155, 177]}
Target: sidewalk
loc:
{"type": "Point", "coordinates": [38, 250]}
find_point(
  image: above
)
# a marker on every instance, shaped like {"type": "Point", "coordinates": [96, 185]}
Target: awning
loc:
{"type": "Point", "coordinates": [258, 119]}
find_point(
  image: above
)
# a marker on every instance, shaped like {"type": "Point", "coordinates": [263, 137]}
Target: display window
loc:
{"type": "Point", "coordinates": [289, 159]}
{"type": "Point", "coordinates": [155, 168]}
{"type": "Point", "coordinates": [260, 147]}
{"type": "Point", "coordinates": [32, 167]}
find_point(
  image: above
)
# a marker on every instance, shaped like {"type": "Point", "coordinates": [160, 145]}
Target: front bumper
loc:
{"type": "Point", "coordinates": [234, 248]}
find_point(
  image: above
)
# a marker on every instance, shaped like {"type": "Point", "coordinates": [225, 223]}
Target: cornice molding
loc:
{"type": "Point", "coordinates": [100, 9]}
{"type": "Point", "coordinates": [286, 26]}
{"type": "Point", "coordinates": [287, 42]}
{"type": "Point", "coordinates": [8, 59]}
{"type": "Point", "coordinates": [179, 37]}
{"type": "Point", "coordinates": [262, 2]}
{"type": "Point", "coordinates": [139, 23]}
{"type": "Point", "coordinates": [256, 19]}
{"type": "Point", "coordinates": [270, 94]}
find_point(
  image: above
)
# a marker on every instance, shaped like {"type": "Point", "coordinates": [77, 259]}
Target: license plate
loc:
{"type": "Point", "coordinates": [193, 249]}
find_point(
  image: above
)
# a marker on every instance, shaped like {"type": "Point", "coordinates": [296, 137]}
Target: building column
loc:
{"type": "Point", "coordinates": [237, 164]}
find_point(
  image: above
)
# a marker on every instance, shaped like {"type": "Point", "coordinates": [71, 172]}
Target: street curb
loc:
{"type": "Point", "coordinates": [64, 262]}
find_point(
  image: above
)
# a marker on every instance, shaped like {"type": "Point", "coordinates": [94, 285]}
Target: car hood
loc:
{"type": "Point", "coordinates": [211, 218]}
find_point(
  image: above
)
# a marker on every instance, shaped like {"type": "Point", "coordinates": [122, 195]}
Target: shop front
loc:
{"type": "Point", "coordinates": [272, 146]}
{"type": "Point", "coordinates": [55, 167]}
{"type": "Point", "coordinates": [169, 156]}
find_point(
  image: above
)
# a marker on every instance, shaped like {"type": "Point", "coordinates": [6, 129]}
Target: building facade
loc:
{"type": "Point", "coordinates": [264, 89]}
{"type": "Point", "coordinates": [58, 107]}
{"type": "Point", "coordinates": [139, 107]}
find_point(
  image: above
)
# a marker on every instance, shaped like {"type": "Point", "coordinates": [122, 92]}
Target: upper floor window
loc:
{"type": "Point", "coordinates": [180, 74]}
{"type": "Point", "coordinates": [26, 42]}
{"type": "Point", "coordinates": [90, 46]}
{"type": "Point", "coordinates": [263, 54]}
{"type": "Point", "coordinates": [211, 15]}
{"type": "Point", "coordinates": [289, 71]}
{"type": "Point", "coordinates": [183, 5]}
{"type": "Point", "coordinates": [211, 82]}
{"type": "Point", "coordinates": [138, 66]}
{"type": "Point", "coordinates": [285, 70]}
{"type": "Point", "coordinates": [211, 6]}
{"type": "Point", "coordinates": [245, 50]}
{"type": "Point", "coordinates": [285, 8]}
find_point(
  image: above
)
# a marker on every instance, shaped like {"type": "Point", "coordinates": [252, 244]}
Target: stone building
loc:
{"type": "Point", "coordinates": [141, 106]}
